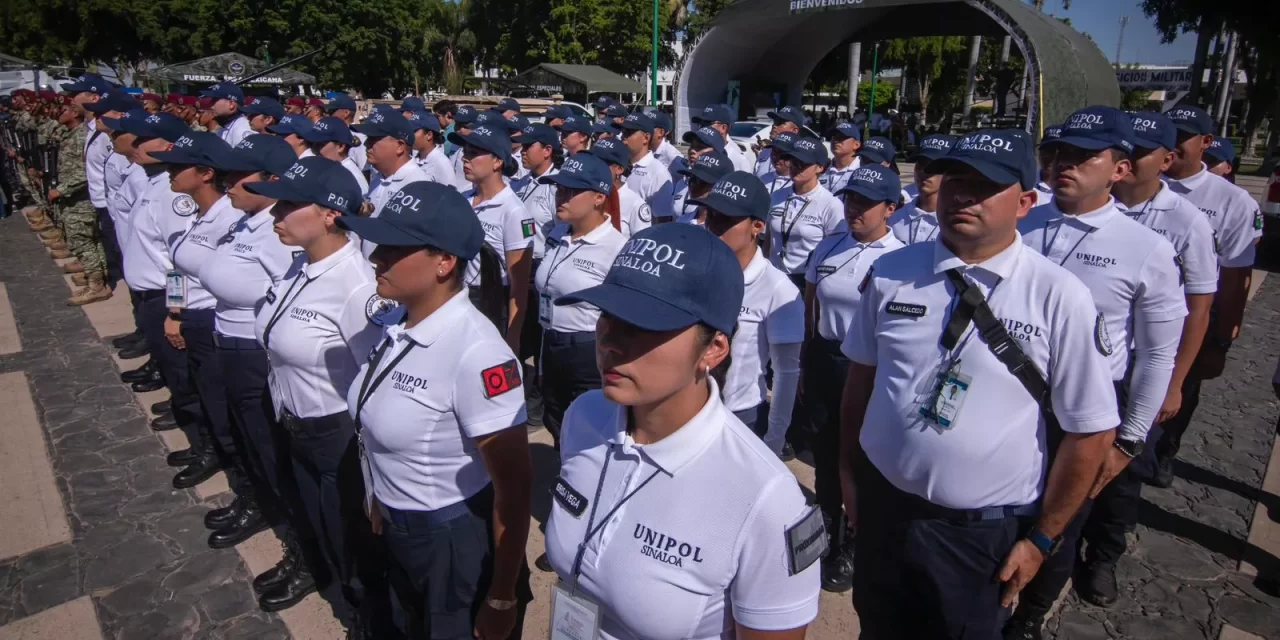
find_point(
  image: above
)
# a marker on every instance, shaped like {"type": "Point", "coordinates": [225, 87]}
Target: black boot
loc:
{"type": "Point", "coordinates": [837, 566]}
{"type": "Point", "coordinates": [289, 592]}
{"type": "Point", "coordinates": [245, 526]}
{"type": "Point", "coordinates": [129, 340]}
{"type": "Point", "coordinates": [1023, 627]}
{"type": "Point", "coordinates": [161, 408]}
{"type": "Point", "coordinates": [133, 351]}
{"type": "Point", "coordinates": [1163, 477]}
{"type": "Point", "coordinates": [164, 422]}
{"type": "Point", "coordinates": [205, 465]}
{"type": "Point", "coordinates": [1098, 584]}
{"type": "Point", "coordinates": [182, 457]}
{"type": "Point", "coordinates": [279, 574]}
{"type": "Point", "coordinates": [156, 381]}
{"type": "Point", "coordinates": [223, 516]}
{"type": "Point", "coordinates": [139, 374]}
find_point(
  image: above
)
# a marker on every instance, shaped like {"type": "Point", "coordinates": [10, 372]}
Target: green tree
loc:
{"type": "Point", "coordinates": [924, 60]}
{"type": "Point", "coordinates": [448, 33]}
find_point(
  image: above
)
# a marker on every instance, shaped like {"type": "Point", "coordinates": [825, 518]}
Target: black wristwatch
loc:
{"type": "Point", "coordinates": [1048, 546]}
{"type": "Point", "coordinates": [175, 315]}
{"type": "Point", "coordinates": [1130, 447]}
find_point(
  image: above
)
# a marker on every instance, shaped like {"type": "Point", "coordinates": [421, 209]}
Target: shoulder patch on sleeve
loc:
{"type": "Point", "coordinates": [1100, 335]}
{"type": "Point", "coordinates": [527, 228]}
{"type": "Point", "coordinates": [184, 205]}
{"type": "Point", "coordinates": [379, 309]}
{"type": "Point", "coordinates": [866, 280]}
{"type": "Point", "coordinates": [806, 541]}
{"type": "Point", "coordinates": [645, 213]}
{"type": "Point", "coordinates": [501, 378]}
{"type": "Point", "coordinates": [1182, 269]}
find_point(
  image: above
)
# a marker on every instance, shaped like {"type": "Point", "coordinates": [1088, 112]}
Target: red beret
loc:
{"type": "Point", "coordinates": [152, 97]}
{"type": "Point", "coordinates": [172, 98]}
{"type": "Point", "coordinates": [296, 102]}
{"type": "Point", "coordinates": [48, 95]}
{"type": "Point", "coordinates": [26, 93]}
{"type": "Point", "coordinates": [315, 102]}
{"type": "Point", "coordinates": [206, 103]}
{"type": "Point", "coordinates": [190, 101]}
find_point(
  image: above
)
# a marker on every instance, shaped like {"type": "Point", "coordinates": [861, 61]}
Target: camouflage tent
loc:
{"type": "Point", "coordinates": [228, 66]}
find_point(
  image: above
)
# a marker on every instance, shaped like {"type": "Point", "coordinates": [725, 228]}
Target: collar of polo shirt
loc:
{"type": "Point", "coordinates": [591, 237]}
{"type": "Point", "coordinates": [1193, 182]}
{"type": "Point", "coordinates": [260, 218]}
{"type": "Point", "coordinates": [755, 268]}
{"type": "Point", "coordinates": [430, 328]}
{"type": "Point", "coordinates": [316, 269]}
{"type": "Point", "coordinates": [677, 450]}
{"type": "Point", "coordinates": [401, 174]}
{"type": "Point", "coordinates": [1000, 265]}
{"type": "Point", "coordinates": [1096, 219]}
{"type": "Point", "coordinates": [1164, 200]}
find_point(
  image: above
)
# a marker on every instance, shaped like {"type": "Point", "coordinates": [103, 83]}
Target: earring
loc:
{"type": "Point", "coordinates": [708, 368]}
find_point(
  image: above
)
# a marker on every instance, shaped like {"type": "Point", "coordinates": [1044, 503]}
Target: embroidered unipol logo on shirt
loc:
{"type": "Point", "coordinates": [664, 548]}
{"type": "Point", "coordinates": [649, 256]}
{"type": "Point", "coordinates": [303, 315]}
{"type": "Point", "coordinates": [407, 383]}
{"type": "Point", "coordinates": [1095, 260]}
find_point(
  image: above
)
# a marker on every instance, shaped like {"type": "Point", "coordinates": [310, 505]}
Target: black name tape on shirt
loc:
{"type": "Point", "coordinates": [501, 378]}
{"type": "Point", "coordinates": [906, 309]}
{"type": "Point", "coordinates": [569, 498]}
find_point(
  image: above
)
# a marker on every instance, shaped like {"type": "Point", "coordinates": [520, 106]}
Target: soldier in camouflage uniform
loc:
{"type": "Point", "coordinates": [79, 219]}
{"type": "Point", "coordinates": [25, 104]}
{"type": "Point", "coordinates": [48, 133]}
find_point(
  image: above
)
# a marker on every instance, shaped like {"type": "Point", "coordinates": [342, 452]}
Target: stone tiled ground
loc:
{"type": "Point", "coordinates": [138, 545]}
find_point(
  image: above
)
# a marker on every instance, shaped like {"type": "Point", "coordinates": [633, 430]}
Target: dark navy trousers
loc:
{"type": "Point", "coordinates": [825, 370]}
{"type": "Point", "coordinates": [184, 401]}
{"type": "Point", "coordinates": [260, 438]}
{"type": "Point", "coordinates": [568, 371]}
{"type": "Point", "coordinates": [208, 378]}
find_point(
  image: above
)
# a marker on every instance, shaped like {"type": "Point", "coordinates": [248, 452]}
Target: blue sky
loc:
{"type": "Point", "coordinates": [1101, 19]}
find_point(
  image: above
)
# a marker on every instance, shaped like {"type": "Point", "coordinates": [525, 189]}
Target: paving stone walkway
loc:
{"type": "Point", "coordinates": [1181, 579]}
{"type": "Point", "coordinates": [138, 546]}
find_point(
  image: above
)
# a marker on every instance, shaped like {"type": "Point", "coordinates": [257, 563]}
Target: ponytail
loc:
{"type": "Point", "coordinates": [557, 156]}
{"type": "Point", "coordinates": [493, 298]}
{"type": "Point", "coordinates": [613, 207]}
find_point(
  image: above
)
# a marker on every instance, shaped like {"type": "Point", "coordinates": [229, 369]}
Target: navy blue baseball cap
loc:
{"type": "Point", "coordinates": [709, 167]}
{"type": "Point", "coordinates": [556, 112]}
{"type": "Point", "coordinates": [878, 149]}
{"type": "Point", "coordinates": [1221, 151]}
{"type": "Point", "coordinates": [517, 123]}
{"type": "Point", "coordinates": [1096, 128]}
{"type": "Point", "coordinates": [508, 104]}
{"type": "Point", "coordinates": [783, 141]}
{"type": "Point", "coordinates": [413, 103]}
{"type": "Point", "coordinates": [738, 194]}
{"type": "Point", "coordinates": [465, 115]}
{"type": "Point", "coordinates": [659, 281]}
{"type": "Point", "coordinates": [603, 102]}
{"type": "Point", "coordinates": [932, 147]}
{"type": "Point", "coordinates": [264, 106]}
{"type": "Point", "coordinates": [1191, 119]}
{"type": "Point", "coordinates": [90, 82]}
{"type": "Point", "coordinates": [582, 170]}
{"type": "Point", "coordinates": [117, 124]}
{"type": "Point", "coordinates": [874, 182]}
{"type": "Point", "coordinates": [155, 125]}
{"type": "Point", "coordinates": [424, 120]}
{"type": "Point", "coordinates": [714, 113]}
{"type": "Point", "coordinates": [707, 136]}
{"type": "Point", "coordinates": [538, 132]}
{"type": "Point", "coordinates": [846, 129]}
{"type": "Point", "coordinates": [386, 124]}
{"type": "Point", "coordinates": [340, 101]}
{"type": "Point", "coordinates": [196, 147]}
{"type": "Point", "coordinates": [661, 120]}
{"type": "Point", "coordinates": [491, 137]}
{"type": "Point", "coordinates": [291, 123]}
{"type": "Point", "coordinates": [638, 122]}
{"type": "Point", "coordinates": [1051, 133]}
{"type": "Point", "coordinates": [330, 129]}
{"type": "Point", "coordinates": [789, 114]}
{"type": "Point", "coordinates": [1004, 156]}
{"type": "Point", "coordinates": [491, 117]}
{"type": "Point", "coordinates": [808, 150]}
{"type": "Point", "coordinates": [1152, 130]}
{"type": "Point", "coordinates": [423, 214]}
{"type": "Point", "coordinates": [224, 91]}
{"type": "Point", "coordinates": [314, 180]}
{"type": "Point", "coordinates": [604, 128]}
{"type": "Point", "coordinates": [576, 124]}
{"type": "Point", "coordinates": [615, 110]}
{"type": "Point", "coordinates": [613, 151]}
{"type": "Point", "coordinates": [112, 100]}
{"type": "Point", "coordinates": [260, 152]}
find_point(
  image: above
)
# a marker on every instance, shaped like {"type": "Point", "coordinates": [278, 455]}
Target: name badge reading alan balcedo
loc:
{"type": "Point", "coordinates": [906, 309]}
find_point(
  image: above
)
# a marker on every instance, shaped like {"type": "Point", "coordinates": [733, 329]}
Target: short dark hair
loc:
{"type": "Point", "coordinates": [447, 107]}
{"type": "Point", "coordinates": [1117, 155]}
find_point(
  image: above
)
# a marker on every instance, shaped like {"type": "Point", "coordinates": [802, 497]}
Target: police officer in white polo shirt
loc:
{"type": "Point", "coordinates": [292, 128]}
{"type": "Point", "coordinates": [1044, 192]}
{"type": "Point", "coordinates": [880, 150]}
{"type": "Point", "coordinates": [661, 147]}
{"type": "Point", "coordinates": [1237, 223]}
{"type": "Point", "coordinates": [917, 220]}
{"type": "Point", "coordinates": [634, 214]}
{"type": "Point", "coordinates": [846, 141]}
{"type": "Point", "coordinates": [330, 138]}
{"type": "Point", "coordinates": [788, 119]}
{"type": "Point", "coordinates": [951, 491]}
{"type": "Point", "coordinates": [697, 182]}
{"type": "Point", "coordinates": [1135, 280]}
{"type": "Point", "coordinates": [701, 141]}
{"type": "Point", "coordinates": [779, 175]}
{"type": "Point", "coordinates": [575, 135]}
{"type": "Point", "coordinates": [720, 117]}
{"type": "Point", "coordinates": [343, 107]}
{"type": "Point", "coordinates": [262, 113]}
{"type": "Point", "coordinates": [657, 476]}
{"type": "Point", "coordinates": [98, 156]}
{"type": "Point", "coordinates": [440, 420]}
{"type": "Point", "coordinates": [390, 153]}
{"type": "Point", "coordinates": [428, 148]}
{"type": "Point", "coordinates": [839, 265]}
{"type": "Point", "coordinates": [649, 177]}
{"type": "Point", "coordinates": [771, 320]}
{"type": "Point", "coordinates": [580, 249]}
{"type": "Point", "coordinates": [227, 101]}
{"type": "Point", "coordinates": [804, 213]}
{"type": "Point", "coordinates": [318, 328]}
{"type": "Point", "coordinates": [463, 119]}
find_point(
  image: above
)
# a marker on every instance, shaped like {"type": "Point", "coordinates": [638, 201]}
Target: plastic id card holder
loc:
{"type": "Point", "coordinates": [175, 289]}
{"type": "Point", "coordinates": [946, 406]}
{"type": "Point", "coordinates": [545, 306]}
{"type": "Point", "coordinates": [573, 616]}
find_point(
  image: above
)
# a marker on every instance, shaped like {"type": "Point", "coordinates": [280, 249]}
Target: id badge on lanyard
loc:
{"type": "Point", "coordinates": [574, 616]}
{"type": "Point", "coordinates": [948, 397]}
{"type": "Point", "coordinates": [175, 289]}
{"type": "Point", "coordinates": [545, 307]}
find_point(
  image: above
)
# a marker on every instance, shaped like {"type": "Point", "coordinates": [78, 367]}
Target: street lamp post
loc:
{"type": "Point", "coordinates": [875, 70]}
{"type": "Point", "coordinates": [653, 70]}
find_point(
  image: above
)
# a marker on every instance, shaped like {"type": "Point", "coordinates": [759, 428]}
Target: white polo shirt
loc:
{"type": "Point", "coordinates": [993, 455]}
{"type": "Point", "coordinates": [910, 192]}
{"type": "Point", "coordinates": [797, 223]}
{"type": "Point", "coordinates": [350, 166]}
{"type": "Point", "coordinates": [508, 226]}
{"type": "Point", "coordinates": [701, 545]}
{"type": "Point", "coordinates": [436, 166]}
{"type": "Point", "coordinates": [120, 200]}
{"type": "Point", "coordinates": [146, 250]}
{"type": "Point", "coordinates": [421, 422]}
{"type": "Point", "coordinates": [1233, 214]}
{"type": "Point", "coordinates": [459, 176]}
{"type": "Point", "coordinates": [1131, 271]}
{"type": "Point", "coordinates": [1044, 193]}
{"type": "Point", "coordinates": [764, 163]}
{"type": "Point", "coordinates": [114, 173]}
{"type": "Point", "coordinates": [742, 161]}
{"type": "Point", "coordinates": [360, 153]}
{"type": "Point", "coordinates": [1183, 225]}
{"type": "Point", "coordinates": [834, 178]}
{"type": "Point", "coordinates": [572, 265]}
{"type": "Point", "coordinates": [540, 200]}
{"type": "Point", "coordinates": [197, 244]}
{"type": "Point", "coordinates": [521, 172]}
{"type": "Point", "coordinates": [839, 265]}
{"type": "Point", "coordinates": [911, 224]}
{"type": "Point", "coordinates": [635, 212]}
{"type": "Point", "coordinates": [242, 271]}
{"type": "Point", "coordinates": [667, 153]}
{"type": "Point", "coordinates": [322, 329]}
{"type": "Point", "coordinates": [772, 313]}
{"type": "Point", "coordinates": [652, 182]}
{"type": "Point", "coordinates": [382, 188]}
{"type": "Point", "coordinates": [236, 130]}
{"type": "Point", "coordinates": [97, 151]}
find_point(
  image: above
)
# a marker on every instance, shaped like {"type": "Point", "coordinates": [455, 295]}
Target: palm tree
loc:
{"type": "Point", "coordinates": [448, 31]}
{"type": "Point", "coordinates": [1039, 4]}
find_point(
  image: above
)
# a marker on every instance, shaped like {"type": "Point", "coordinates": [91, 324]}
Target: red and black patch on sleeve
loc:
{"type": "Point", "coordinates": [866, 280]}
{"type": "Point", "coordinates": [500, 379]}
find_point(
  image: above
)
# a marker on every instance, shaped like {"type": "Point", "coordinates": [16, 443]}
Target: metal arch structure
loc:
{"type": "Point", "coordinates": [771, 46]}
